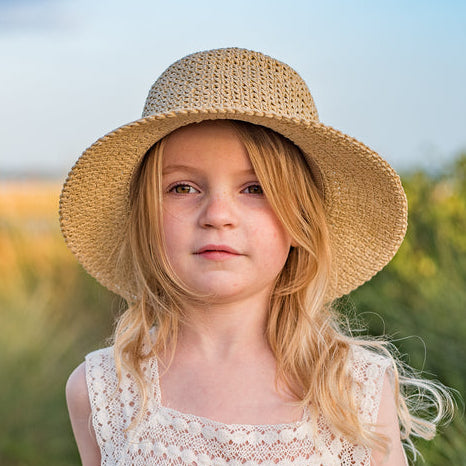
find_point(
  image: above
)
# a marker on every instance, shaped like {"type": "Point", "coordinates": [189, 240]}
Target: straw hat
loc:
{"type": "Point", "coordinates": [364, 200]}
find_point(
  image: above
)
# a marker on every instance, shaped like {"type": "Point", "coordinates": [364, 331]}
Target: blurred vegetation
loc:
{"type": "Point", "coordinates": [52, 313]}
{"type": "Point", "coordinates": [419, 299]}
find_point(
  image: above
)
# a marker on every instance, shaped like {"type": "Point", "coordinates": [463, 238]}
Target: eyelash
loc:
{"type": "Point", "coordinates": [255, 185]}
{"type": "Point", "coordinates": [172, 189]}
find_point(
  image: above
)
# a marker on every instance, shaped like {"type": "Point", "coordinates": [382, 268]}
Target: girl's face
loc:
{"type": "Point", "coordinates": [221, 235]}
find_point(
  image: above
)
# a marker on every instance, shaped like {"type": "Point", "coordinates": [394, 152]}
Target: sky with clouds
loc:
{"type": "Point", "coordinates": [391, 74]}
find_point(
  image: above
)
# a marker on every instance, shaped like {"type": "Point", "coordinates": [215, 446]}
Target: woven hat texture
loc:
{"type": "Point", "coordinates": [364, 201]}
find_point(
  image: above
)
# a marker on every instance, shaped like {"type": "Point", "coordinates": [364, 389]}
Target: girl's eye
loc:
{"type": "Point", "coordinates": [183, 189]}
{"type": "Point", "coordinates": [254, 189]}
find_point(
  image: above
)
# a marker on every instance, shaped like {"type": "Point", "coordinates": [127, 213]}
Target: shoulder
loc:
{"type": "Point", "coordinates": [101, 372]}
{"type": "Point", "coordinates": [388, 425]}
{"type": "Point", "coordinates": [76, 388]}
{"type": "Point", "coordinates": [82, 385]}
{"type": "Point", "coordinates": [79, 407]}
{"type": "Point", "coordinates": [78, 384]}
{"type": "Point", "coordinates": [369, 369]}
{"type": "Point", "coordinates": [368, 363]}
{"type": "Point", "coordinates": [374, 375]}
{"type": "Point", "coordinates": [101, 355]}
{"type": "Point", "coordinates": [77, 395]}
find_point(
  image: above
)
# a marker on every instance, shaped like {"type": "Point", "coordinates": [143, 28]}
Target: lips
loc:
{"type": "Point", "coordinates": [217, 252]}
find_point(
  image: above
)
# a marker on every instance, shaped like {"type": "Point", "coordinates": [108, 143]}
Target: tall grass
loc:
{"type": "Point", "coordinates": [52, 313]}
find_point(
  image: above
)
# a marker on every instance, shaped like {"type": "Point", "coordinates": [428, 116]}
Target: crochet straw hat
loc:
{"type": "Point", "coordinates": [365, 203]}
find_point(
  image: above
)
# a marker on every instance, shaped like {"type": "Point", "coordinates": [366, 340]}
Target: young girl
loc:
{"type": "Point", "coordinates": [230, 218]}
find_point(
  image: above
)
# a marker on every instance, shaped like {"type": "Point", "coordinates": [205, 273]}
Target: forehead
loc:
{"type": "Point", "coordinates": [211, 142]}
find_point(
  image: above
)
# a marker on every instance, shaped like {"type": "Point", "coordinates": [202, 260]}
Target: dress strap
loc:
{"type": "Point", "coordinates": [109, 418]}
{"type": "Point", "coordinates": [368, 370]}
{"type": "Point", "coordinates": [154, 382]}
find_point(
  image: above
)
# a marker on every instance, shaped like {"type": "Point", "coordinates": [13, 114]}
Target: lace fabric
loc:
{"type": "Point", "coordinates": [168, 437]}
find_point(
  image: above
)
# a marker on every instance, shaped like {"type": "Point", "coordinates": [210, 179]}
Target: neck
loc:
{"type": "Point", "coordinates": [225, 330]}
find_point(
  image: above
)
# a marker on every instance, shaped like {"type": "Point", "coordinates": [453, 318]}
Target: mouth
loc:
{"type": "Point", "coordinates": [217, 252]}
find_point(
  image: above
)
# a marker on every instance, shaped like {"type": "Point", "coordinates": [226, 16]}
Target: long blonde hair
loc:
{"type": "Point", "coordinates": [303, 331]}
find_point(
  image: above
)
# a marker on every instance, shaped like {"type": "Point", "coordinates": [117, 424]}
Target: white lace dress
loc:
{"type": "Point", "coordinates": [168, 437]}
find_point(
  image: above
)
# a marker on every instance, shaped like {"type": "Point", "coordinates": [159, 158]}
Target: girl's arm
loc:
{"type": "Point", "coordinates": [79, 408]}
{"type": "Point", "coordinates": [387, 424]}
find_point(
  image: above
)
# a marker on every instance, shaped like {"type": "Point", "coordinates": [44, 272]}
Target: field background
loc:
{"type": "Point", "coordinates": [52, 313]}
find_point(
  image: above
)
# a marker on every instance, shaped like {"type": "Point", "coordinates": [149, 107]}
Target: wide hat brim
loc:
{"type": "Point", "coordinates": [364, 200]}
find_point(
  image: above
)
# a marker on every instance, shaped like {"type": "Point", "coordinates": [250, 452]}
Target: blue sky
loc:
{"type": "Point", "coordinates": [391, 74]}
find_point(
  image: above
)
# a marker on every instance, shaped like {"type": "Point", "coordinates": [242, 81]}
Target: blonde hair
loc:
{"type": "Point", "coordinates": [303, 331]}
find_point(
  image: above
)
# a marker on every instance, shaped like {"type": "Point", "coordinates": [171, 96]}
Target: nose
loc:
{"type": "Point", "coordinates": [218, 211]}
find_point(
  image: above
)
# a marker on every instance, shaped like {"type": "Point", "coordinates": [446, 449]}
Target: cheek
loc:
{"type": "Point", "coordinates": [173, 222]}
{"type": "Point", "coordinates": [172, 230]}
{"type": "Point", "coordinates": [279, 233]}
{"type": "Point", "coordinates": [274, 240]}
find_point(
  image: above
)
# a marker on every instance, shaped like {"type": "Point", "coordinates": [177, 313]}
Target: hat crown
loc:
{"type": "Point", "coordinates": [231, 79]}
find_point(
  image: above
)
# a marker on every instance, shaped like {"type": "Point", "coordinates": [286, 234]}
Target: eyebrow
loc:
{"type": "Point", "coordinates": [192, 169]}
